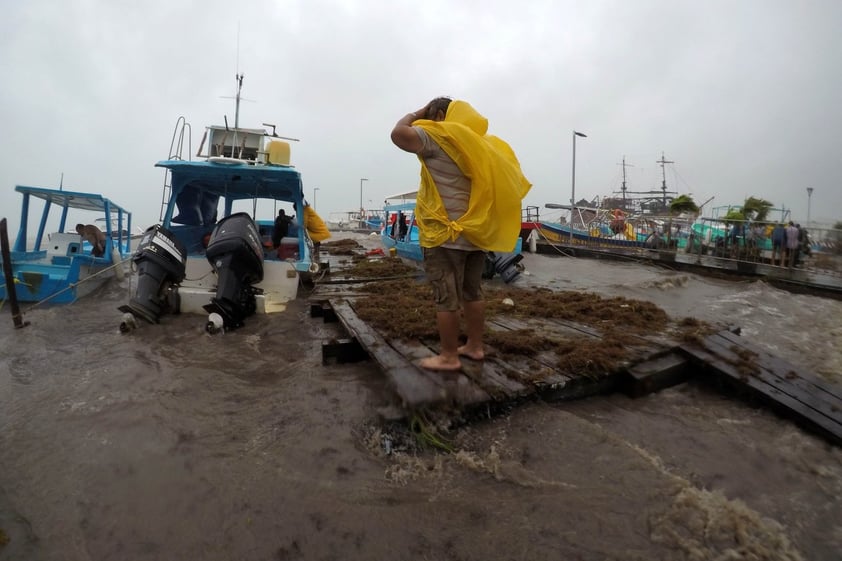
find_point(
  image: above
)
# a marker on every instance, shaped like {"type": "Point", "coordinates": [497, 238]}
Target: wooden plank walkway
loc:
{"type": "Point", "coordinates": [654, 363]}
{"type": "Point", "coordinates": [500, 379]}
{"type": "Point", "coordinates": [803, 396]}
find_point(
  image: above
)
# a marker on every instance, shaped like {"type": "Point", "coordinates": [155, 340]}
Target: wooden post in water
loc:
{"type": "Point", "coordinates": [11, 296]}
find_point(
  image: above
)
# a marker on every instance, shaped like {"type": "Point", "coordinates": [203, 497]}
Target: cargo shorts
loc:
{"type": "Point", "coordinates": [455, 275]}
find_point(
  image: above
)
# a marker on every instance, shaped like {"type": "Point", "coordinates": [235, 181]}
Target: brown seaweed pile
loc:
{"type": "Point", "coordinates": [341, 247]}
{"type": "Point", "coordinates": [379, 267]}
{"type": "Point", "coordinates": [404, 309]}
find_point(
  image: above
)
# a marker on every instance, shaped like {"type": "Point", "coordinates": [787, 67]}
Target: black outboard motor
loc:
{"type": "Point", "coordinates": [160, 260]}
{"type": "Point", "coordinates": [504, 264]}
{"type": "Point", "coordinates": [236, 254]}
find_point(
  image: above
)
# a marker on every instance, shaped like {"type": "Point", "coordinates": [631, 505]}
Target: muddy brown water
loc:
{"type": "Point", "coordinates": [169, 443]}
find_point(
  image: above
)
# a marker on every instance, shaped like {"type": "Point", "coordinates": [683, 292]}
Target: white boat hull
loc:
{"type": "Point", "coordinates": [278, 287]}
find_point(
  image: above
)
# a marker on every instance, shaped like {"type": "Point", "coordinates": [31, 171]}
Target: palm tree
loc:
{"type": "Point", "coordinates": [680, 204]}
{"type": "Point", "coordinates": [756, 209]}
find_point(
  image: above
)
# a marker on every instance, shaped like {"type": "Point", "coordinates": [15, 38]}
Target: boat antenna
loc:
{"type": "Point", "coordinates": [663, 161]}
{"type": "Point", "coordinates": [61, 182]}
{"type": "Point", "coordinates": [239, 78]}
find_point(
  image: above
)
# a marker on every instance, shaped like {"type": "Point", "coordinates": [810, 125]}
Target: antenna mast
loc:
{"type": "Point", "coordinates": [663, 161]}
{"type": "Point", "coordinates": [623, 187]}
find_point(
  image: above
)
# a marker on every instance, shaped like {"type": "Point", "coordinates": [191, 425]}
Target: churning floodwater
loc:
{"type": "Point", "coordinates": [169, 443]}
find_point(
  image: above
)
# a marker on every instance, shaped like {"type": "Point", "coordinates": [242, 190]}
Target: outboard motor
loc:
{"type": "Point", "coordinates": [236, 254]}
{"type": "Point", "coordinates": [507, 265]}
{"type": "Point", "coordinates": [160, 260]}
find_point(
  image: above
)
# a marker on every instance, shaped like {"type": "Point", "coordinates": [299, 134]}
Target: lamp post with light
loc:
{"type": "Point", "coordinates": [361, 192]}
{"type": "Point", "coordinates": [573, 183]}
{"type": "Point", "coordinates": [809, 197]}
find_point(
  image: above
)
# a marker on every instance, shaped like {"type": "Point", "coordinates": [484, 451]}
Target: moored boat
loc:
{"type": "Point", "coordinates": [399, 234]}
{"type": "Point", "coordinates": [60, 265]}
{"type": "Point", "coordinates": [624, 219]}
{"type": "Point", "coordinates": [217, 229]}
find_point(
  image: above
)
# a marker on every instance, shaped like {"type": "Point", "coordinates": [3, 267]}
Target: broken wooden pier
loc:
{"type": "Point", "coordinates": [652, 363]}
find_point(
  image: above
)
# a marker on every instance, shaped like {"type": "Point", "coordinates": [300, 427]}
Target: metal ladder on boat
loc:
{"type": "Point", "coordinates": [182, 129]}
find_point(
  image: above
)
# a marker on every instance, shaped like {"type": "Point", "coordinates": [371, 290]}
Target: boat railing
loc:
{"type": "Point", "coordinates": [181, 132]}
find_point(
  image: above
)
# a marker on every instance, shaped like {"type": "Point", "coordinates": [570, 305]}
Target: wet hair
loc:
{"type": "Point", "coordinates": [438, 104]}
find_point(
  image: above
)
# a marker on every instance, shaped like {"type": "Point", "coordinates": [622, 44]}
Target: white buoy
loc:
{"type": "Point", "coordinates": [118, 261]}
{"type": "Point", "coordinates": [533, 241]}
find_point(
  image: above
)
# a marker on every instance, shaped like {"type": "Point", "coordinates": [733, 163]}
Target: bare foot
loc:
{"type": "Point", "coordinates": [440, 363]}
{"type": "Point", "coordinates": [471, 353]}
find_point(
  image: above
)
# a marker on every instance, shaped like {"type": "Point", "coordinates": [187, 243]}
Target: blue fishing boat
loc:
{"type": "Point", "coordinates": [214, 251]}
{"type": "Point", "coordinates": [58, 264]}
{"type": "Point", "coordinates": [399, 235]}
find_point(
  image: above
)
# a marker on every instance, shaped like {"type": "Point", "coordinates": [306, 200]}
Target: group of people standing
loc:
{"type": "Point", "coordinates": [399, 228]}
{"type": "Point", "coordinates": [788, 243]}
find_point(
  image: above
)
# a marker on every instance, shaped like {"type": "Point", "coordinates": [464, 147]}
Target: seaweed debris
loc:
{"type": "Point", "coordinates": [404, 309]}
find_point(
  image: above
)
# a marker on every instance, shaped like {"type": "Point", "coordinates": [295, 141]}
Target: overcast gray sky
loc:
{"type": "Point", "coordinates": [743, 95]}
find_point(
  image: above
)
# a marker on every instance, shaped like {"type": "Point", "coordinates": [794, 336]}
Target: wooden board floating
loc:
{"type": "Point", "coordinates": [803, 396]}
{"type": "Point", "coordinates": [656, 363]}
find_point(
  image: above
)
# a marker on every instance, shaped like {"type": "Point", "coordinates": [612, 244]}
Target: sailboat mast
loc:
{"type": "Point", "coordinates": [663, 161]}
{"type": "Point", "coordinates": [624, 187]}
{"type": "Point", "coordinates": [624, 182]}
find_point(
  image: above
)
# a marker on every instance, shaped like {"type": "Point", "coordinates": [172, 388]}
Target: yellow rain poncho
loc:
{"type": "Point", "coordinates": [315, 226]}
{"type": "Point", "coordinates": [492, 221]}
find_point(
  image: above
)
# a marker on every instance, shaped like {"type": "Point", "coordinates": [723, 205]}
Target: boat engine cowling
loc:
{"type": "Point", "coordinates": [160, 260]}
{"type": "Point", "coordinates": [236, 255]}
{"type": "Point", "coordinates": [504, 264]}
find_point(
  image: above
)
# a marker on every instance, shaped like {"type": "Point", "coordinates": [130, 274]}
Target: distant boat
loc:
{"type": "Point", "coordinates": [399, 234]}
{"type": "Point", "coordinates": [60, 266]}
{"type": "Point", "coordinates": [354, 220]}
{"type": "Point", "coordinates": [214, 251]}
{"type": "Point", "coordinates": [625, 219]}
{"type": "Point", "coordinates": [118, 231]}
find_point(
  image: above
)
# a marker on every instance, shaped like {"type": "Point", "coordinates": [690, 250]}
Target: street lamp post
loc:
{"type": "Point", "coordinates": [573, 183]}
{"type": "Point", "coordinates": [314, 197]}
{"type": "Point", "coordinates": [361, 192]}
{"type": "Point", "coordinates": [362, 210]}
{"type": "Point", "coordinates": [809, 196]}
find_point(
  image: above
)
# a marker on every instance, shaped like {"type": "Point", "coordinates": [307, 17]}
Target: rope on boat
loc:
{"type": "Point", "coordinates": [74, 285]}
{"type": "Point", "coordinates": [567, 254]}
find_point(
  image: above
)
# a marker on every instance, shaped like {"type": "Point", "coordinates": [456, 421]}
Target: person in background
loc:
{"type": "Point", "coordinates": [393, 226]}
{"type": "Point", "coordinates": [468, 203]}
{"type": "Point", "coordinates": [804, 239]}
{"type": "Point", "coordinates": [403, 228]}
{"type": "Point", "coordinates": [778, 242]}
{"type": "Point", "coordinates": [281, 228]}
{"type": "Point", "coordinates": [791, 244]}
{"type": "Point", "coordinates": [94, 236]}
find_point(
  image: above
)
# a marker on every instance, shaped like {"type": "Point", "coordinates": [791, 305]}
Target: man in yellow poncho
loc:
{"type": "Point", "coordinates": [469, 203]}
{"type": "Point", "coordinates": [316, 228]}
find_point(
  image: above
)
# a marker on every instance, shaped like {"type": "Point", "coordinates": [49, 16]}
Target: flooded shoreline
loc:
{"type": "Point", "coordinates": [170, 443]}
